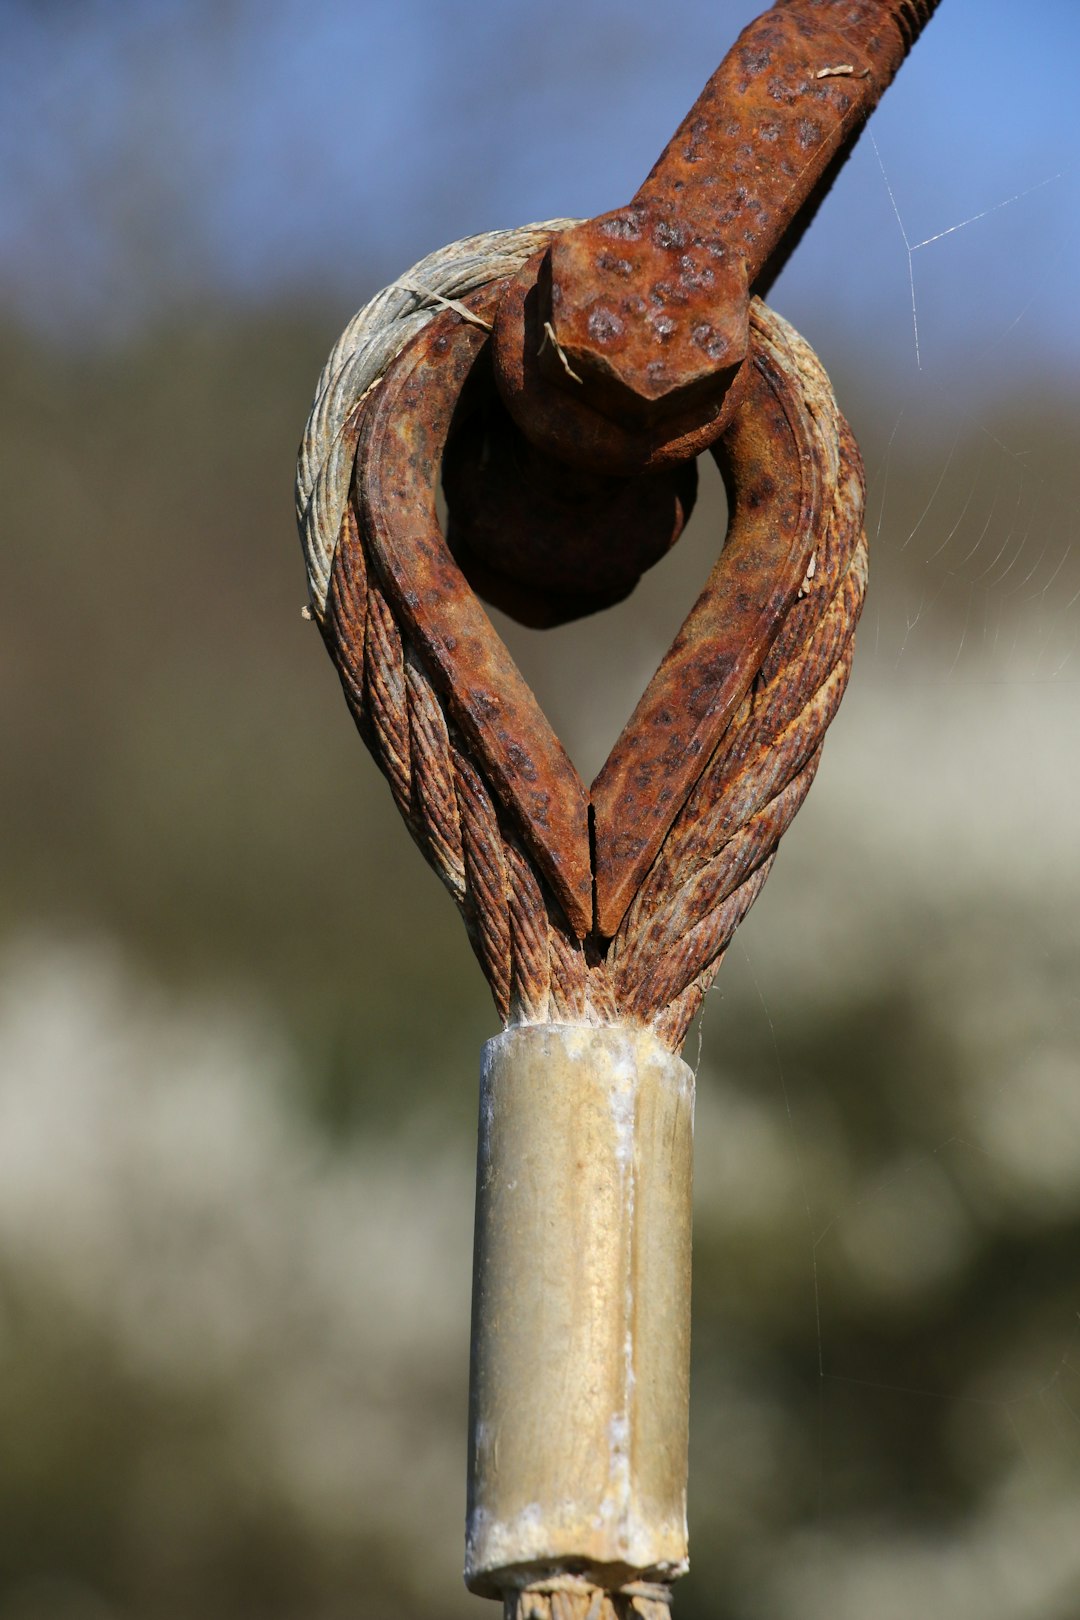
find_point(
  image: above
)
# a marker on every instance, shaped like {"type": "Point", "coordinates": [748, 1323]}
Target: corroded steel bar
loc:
{"type": "Point", "coordinates": [645, 309]}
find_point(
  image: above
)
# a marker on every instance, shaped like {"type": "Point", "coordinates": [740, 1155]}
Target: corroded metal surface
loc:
{"type": "Point", "coordinates": [544, 541]}
{"type": "Point", "coordinates": [482, 783]}
{"type": "Point", "coordinates": [767, 461]}
{"type": "Point", "coordinates": [776, 521]}
{"type": "Point", "coordinates": [399, 457]}
{"type": "Point", "coordinates": [620, 900]}
{"type": "Point", "coordinates": [554, 412]}
{"type": "Point", "coordinates": [617, 348]}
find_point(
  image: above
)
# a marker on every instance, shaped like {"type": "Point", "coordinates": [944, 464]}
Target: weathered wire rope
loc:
{"type": "Point", "coordinates": [375, 335]}
{"type": "Point", "coordinates": [721, 845]}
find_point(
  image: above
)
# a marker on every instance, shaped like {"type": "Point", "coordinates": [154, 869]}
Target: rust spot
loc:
{"type": "Point", "coordinates": [622, 226]}
{"type": "Point", "coordinates": [604, 325]}
{"type": "Point", "coordinates": [616, 266]}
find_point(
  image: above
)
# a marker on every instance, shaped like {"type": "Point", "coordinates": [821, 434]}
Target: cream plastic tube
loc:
{"type": "Point", "coordinates": [579, 1394]}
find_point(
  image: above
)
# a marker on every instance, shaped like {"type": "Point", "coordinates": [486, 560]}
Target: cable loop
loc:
{"type": "Point", "coordinates": [735, 718]}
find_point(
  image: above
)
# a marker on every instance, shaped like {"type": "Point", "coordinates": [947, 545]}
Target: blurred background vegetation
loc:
{"type": "Point", "coordinates": [239, 1022]}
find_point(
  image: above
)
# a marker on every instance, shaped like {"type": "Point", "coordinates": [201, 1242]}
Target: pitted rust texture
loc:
{"type": "Point", "coordinates": [560, 421]}
{"type": "Point", "coordinates": [481, 781]}
{"type": "Point", "coordinates": [648, 305]}
{"type": "Point", "coordinates": [773, 528]}
{"type": "Point", "coordinates": [548, 542]}
{"type": "Point", "coordinates": [775, 524]}
{"type": "Point", "coordinates": [400, 450]}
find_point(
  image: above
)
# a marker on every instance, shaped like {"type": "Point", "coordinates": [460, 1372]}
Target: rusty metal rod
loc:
{"type": "Point", "coordinates": [618, 348]}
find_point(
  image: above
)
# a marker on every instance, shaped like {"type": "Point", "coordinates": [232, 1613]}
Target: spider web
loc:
{"type": "Point", "coordinates": [994, 528]}
{"type": "Point", "coordinates": [942, 819]}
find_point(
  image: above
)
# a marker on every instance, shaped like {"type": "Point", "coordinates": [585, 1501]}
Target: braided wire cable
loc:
{"type": "Point", "coordinates": [720, 849]}
{"type": "Point", "coordinates": [721, 845]}
{"type": "Point", "coordinates": [375, 335]}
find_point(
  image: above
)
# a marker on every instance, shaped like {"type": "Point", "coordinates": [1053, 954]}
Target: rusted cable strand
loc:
{"type": "Point", "coordinates": [571, 1598]}
{"type": "Point", "coordinates": [360, 357]}
{"type": "Point", "coordinates": [719, 847]}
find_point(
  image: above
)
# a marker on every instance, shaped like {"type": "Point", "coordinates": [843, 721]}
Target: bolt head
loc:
{"type": "Point", "coordinates": [649, 310]}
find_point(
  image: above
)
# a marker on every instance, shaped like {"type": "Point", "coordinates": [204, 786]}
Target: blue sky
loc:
{"type": "Point", "coordinates": [164, 152]}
